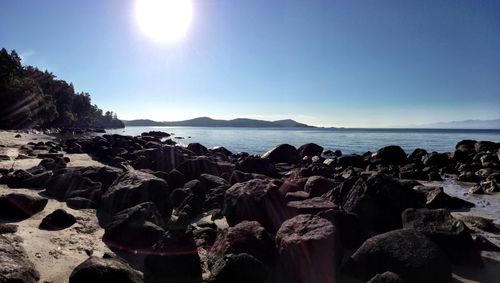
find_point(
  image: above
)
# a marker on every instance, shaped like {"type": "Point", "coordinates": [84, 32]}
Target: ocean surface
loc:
{"type": "Point", "coordinates": [260, 140]}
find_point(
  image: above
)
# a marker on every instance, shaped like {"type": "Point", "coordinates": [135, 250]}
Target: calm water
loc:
{"type": "Point", "coordinates": [259, 140]}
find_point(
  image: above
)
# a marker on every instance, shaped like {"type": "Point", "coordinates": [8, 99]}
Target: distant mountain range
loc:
{"type": "Point", "coordinates": [209, 122]}
{"type": "Point", "coordinates": [467, 124]}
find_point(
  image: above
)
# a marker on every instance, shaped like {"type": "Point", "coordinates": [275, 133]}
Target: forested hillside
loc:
{"type": "Point", "coordinates": [32, 98]}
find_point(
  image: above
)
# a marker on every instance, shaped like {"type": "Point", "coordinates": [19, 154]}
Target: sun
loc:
{"type": "Point", "coordinates": [164, 20]}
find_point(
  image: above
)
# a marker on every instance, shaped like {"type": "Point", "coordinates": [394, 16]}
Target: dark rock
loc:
{"type": "Point", "coordinates": [485, 146]}
{"type": "Point", "coordinates": [434, 176]}
{"type": "Point", "coordinates": [254, 165]}
{"type": "Point", "coordinates": [246, 237]}
{"type": "Point", "coordinates": [379, 202]}
{"type": "Point", "coordinates": [220, 150]}
{"type": "Point", "coordinates": [174, 259]}
{"type": "Point", "coordinates": [407, 252]}
{"type": "Point", "coordinates": [17, 136]}
{"type": "Point", "coordinates": [386, 277]}
{"type": "Point", "coordinates": [436, 159]}
{"type": "Point", "coordinates": [164, 159]}
{"type": "Point", "coordinates": [309, 206]}
{"type": "Point", "coordinates": [205, 237]}
{"type": "Point", "coordinates": [104, 270]}
{"type": "Point", "coordinates": [198, 149]}
{"type": "Point", "coordinates": [65, 184]}
{"type": "Point", "coordinates": [392, 154]}
{"type": "Point", "coordinates": [352, 160]}
{"type": "Point", "coordinates": [241, 268]}
{"type": "Point", "coordinates": [211, 181]}
{"type": "Point", "coordinates": [158, 134]}
{"type": "Point", "coordinates": [15, 265]}
{"type": "Point", "coordinates": [283, 153]}
{"type": "Point", "coordinates": [460, 156]}
{"type": "Point", "coordinates": [57, 220]}
{"type": "Point", "coordinates": [447, 232]}
{"type": "Point", "coordinates": [176, 179]}
{"type": "Point", "coordinates": [310, 149]}
{"type": "Point", "coordinates": [135, 187]}
{"type": "Point", "coordinates": [197, 188]}
{"type": "Point", "coordinates": [437, 198]}
{"type": "Point", "coordinates": [477, 190]}
{"type": "Point", "coordinates": [484, 244]}
{"type": "Point", "coordinates": [7, 228]}
{"type": "Point", "coordinates": [481, 223]}
{"type": "Point", "coordinates": [296, 196]}
{"type": "Point", "coordinates": [468, 176]}
{"type": "Point", "coordinates": [80, 203]}
{"type": "Point", "coordinates": [55, 163]}
{"type": "Point", "coordinates": [178, 195]}
{"type": "Point", "coordinates": [17, 206]}
{"type": "Point", "coordinates": [349, 231]}
{"type": "Point", "coordinates": [306, 250]}
{"type": "Point", "coordinates": [466, 145]}
{"type": "Point", "coordinates": [193, 168]}
{"type": "Point", "coordinates": [136, 228]}
{"type": "Point", "coordinates": [318, 185]}
{"type": "Point", "coordinates": [255, 200]}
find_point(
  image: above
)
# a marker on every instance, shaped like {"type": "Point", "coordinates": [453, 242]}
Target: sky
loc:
{"type": "Point", "coordinates": [335, 63]}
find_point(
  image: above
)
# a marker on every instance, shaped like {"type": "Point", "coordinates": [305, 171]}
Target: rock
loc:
{"type": "Point", "coordinates": [476, 190]}
{"type": "Point", "coordinates": [255, 200]}
{"type": "Point", "coordinates": [485, 146]}
{"type": "Point", "coordinates": [306, 250]}
{"type": "Point", "coordinates": [4, 157]}
{"type": "Point", "coordinates": [174, 259]}
{"type": "Point", "coordinates": [297, 195]}
{"type": "Point", "coordinates": [220, 150]}
{"type": "Point", "coordinates": [468, 176]}
{"type": "Point", "coordinates": [7, 228]}
{"type": "Point", "coordinates": [241, 268]}
{"type": "Point", "coordinates": [178, 196]}
{"type": "Point", "coordinates": [409, 253]}
{"type": "Point", "coordinates": [466, 145]}
{"type": "Point", "coordinates": [198, 149]}
{"type": "Point", "coordinates": [211, 181]}
{"type": "Point", "coordinates": [484, 244]}
{"type": "Point", "coordinates": [55, 163]}
{"type": "Point", "coordinates": [481, 223]}
{"type": "Point", "coordinates": [309, 206]}
{"type": "Point", "coordinates": [310, 149]}
{"type": "Point", "coordinates": [193, 168]}
{"type": "Point", "coordinates": [283, 153]}
{"type": "Point", "coordinates": [247, 237]}
{"type": "Point", "coordinates": [254, 165]}
{"type": "Point", "coordinates": [17, 136]}
{"type": "Point", "coordinates": [197, 188]}
{"type": "Point", "coordinates": [447, 232]}
{"type": "Point", "coordinates": [386, 277]}
{"type": "Point", "coordinates": [460, 156]}
{"type": "Point", "coordinates": [163, 159]}
{"type": "Point", "coordinates": [69, 184]}
{"type": "Point", "coordinates": [352, 160]}
{"type": "Point", "coordinates": [437, 198]}
{"type": "Point", "coordinates": [104, 270]}
{"type": "Point", "coordinates": [80, 203]}
{"type": "Point", "coordinates": [57, 220]}
{"type": "Point", "coordinates": [135, 187]}
{"type": "Point", "coordinates": [205, 237]}
{"type": "Point", "coordinates": [15, 265]}
{"type": "Point", "coordinates": [136, 228]}
{"type": "Point", "coordinates": [392, 154]}
{"type": "Point", "coordinates": [379, 202]}
{"type": "Point", "coordinates": [436, 159]}
{"type": "Point", "coordinates": [17, 206]}
{"type": "Point", "coordinates": [348, 228]}
{"type": "Point", "coordinates": [176, 179]}
{"type": "Point", "coordinates": [157, 134]}
{"type": "Point", "coordinates": [318, 185]}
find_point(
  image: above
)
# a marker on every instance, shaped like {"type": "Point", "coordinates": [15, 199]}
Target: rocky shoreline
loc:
{"type": "Point", "coordinates": [143, 209]}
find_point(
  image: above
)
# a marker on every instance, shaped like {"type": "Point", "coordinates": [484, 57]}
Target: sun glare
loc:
{"type": "Point", "coordinates": [164, 20]}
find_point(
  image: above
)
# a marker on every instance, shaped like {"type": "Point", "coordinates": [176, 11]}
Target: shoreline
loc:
{"type": "Point", "coordinates": [60, 245]}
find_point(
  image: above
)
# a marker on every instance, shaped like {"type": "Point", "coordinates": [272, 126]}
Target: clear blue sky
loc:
{"type": "Point", "coordinates": [323, 62]}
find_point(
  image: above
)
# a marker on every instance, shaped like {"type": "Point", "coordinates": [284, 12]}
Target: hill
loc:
{"type": "Point", "coordinates": [209, 122]}
{"type": "Point", "coordinates": [466, 124]}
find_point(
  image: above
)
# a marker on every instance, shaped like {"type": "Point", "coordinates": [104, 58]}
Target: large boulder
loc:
{"type": "Point", "coordinates": [70, 183]}
{"type": "Point", "coordinates": [16, 206]}
{"type": "Point", "coordinates": [406, 252]}
{"type": "Point", "coordinates": [436, 159]}
{"type": "Point", "coordinates": [137, 228]}
{"type": "Point", "coordinates": [319, 185]}
{"type": "Point", "coordinates": [379, 202]}
{"type": "Point", "coordinates": [435, 197]}
{"type": "Point", "coordinates": [306, 250]}
{"type": "Point", "coordinates": [174, 259]}
{"type": "Point", "coordinates": [392, 154]}
{"type": "Point", "coordinates": [255, 200]}
{"type": "Point", "coordinates": [197, 148]}
{"type": "Point", "coordinates": [386, 277]}
{"type": "Point", "coordinates": [164, 159]}
{"type": "Point", "coordinates": [309, 206]}
{"type": "Point", "coordinates": [310, 149]}
{"type": "Point", "coordinates": [352, 160]}
{"type": "Point", "coordinates": [283, 153]}
{"type": "Point", "coordinates": [245, 237]}
{"type": "Point", "coordinates": [349, 231]}
{"type": "Point", "coordinates": [193, 168]}
{"type": "Point", "coordinates": [135, 187]}
{"type": "Point", "coordinates": [104, 270]}
{"type": "Point", "coordinates": [59, 219]}
{"type": "Point", "coordinates": [241, 268]}
{"type": "Point", "coordinates": [15, 265]}
{"type": "Point", "coordinates": [255, 165]}
{"type": "Point", "coordinates": [447, 232]}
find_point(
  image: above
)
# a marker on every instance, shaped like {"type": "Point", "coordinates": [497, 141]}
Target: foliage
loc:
{"type": "Point", "coordinates": [30, 98]}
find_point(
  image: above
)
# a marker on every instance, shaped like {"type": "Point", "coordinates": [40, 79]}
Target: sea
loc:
{"type": "Point", "coordinates": [260, 140]}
